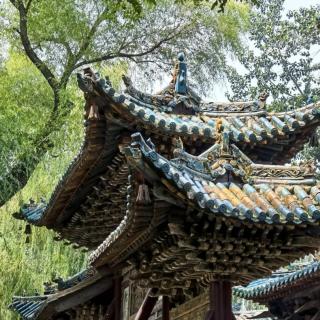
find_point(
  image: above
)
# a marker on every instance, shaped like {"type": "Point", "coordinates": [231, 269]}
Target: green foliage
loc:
{"type": "Point", "coordinates": [25, 266]}
{"type": "Point", "coordinates": [25, 106]}
{"type": "Point", "coordinates": [281, 62]}
{"type": "Point", "coordinates": [26, 102]}
{"type": "Point", "coordinates": [114, 72]}
{"type": "Point", "coordinates": [234, 18]}
{"type": "Point", "coordinates": [69, 34]}
{"type": "Point", "coordinates": [213, 4]}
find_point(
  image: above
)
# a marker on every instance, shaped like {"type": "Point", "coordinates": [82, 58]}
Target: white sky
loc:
{"type": "Point", "coordinates": [296, 4]}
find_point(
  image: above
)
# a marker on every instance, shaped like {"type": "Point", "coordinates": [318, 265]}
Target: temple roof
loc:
{"type": "Point", "coordinates": [86, 205]}
{"type": "Point", "coordinates": [273, 209]}
{"type": "Point", "coordinates": [226, 182]}
{"type": "Point", "coordinates": [281, 284]}
{"type": "Point", "coordinates": [67, 294]}
{"type": "Point", "coordinates": [267, 136]}
{"type": "Point", "coordinates": [193, 201]}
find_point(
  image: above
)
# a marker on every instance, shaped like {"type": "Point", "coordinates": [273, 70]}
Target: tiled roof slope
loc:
{"type": "Point", "coordinates": [248, 123]}
{"type": "Point", "coordinates": [280, 283]}
{"type": "Point", "coordinates": [256, 217]}
{"type": "Point", "coordinates": [48, 305]}
{"type": "Point", "coordinates": [28, 307]}
{"type": "Point", "coordinates": [235, 187]}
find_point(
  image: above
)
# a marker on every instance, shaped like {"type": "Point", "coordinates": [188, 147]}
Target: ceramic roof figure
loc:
{"type": "Point", "coordinates": [181, 77]}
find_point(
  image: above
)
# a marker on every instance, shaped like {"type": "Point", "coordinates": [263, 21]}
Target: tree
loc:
{"type": "Point", "coordinates": [66, 35]}
{"type": "Point", "coordinates": [213, 4]}
{"type": "Point", "coordinates": [281, 62]}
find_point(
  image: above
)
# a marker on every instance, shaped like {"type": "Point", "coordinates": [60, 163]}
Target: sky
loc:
{"type": "Point", "coordinates": [296, 4]}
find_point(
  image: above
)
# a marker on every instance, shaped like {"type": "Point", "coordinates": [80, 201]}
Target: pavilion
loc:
{"type": "Point", "coordinates": [177, 199]}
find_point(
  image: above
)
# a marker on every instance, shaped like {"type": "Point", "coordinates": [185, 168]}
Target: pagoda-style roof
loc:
{"type": "Point", "coordinates": [233, 218]}
{"type": "Point", "coordinates": [265, 136]}
{"type": "Point", "coordinates": [69, 296]}
{"type": "Point", "coordinates": [183, 192]}
{"type": "Point", "coordinates": [226, 182]}
{"type": "Point", "coordinates": [281, 284]}
{"type": "Point", "coordinates": [86, 205]}
{"type": "Point", "coordinates": [288, 294]}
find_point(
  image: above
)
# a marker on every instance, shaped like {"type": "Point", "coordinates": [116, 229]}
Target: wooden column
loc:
{"type": "Point", "coordinates": [117, 298]}
{"type": "Point", "coordinates": [220, 297]}
{"type": "Point", "coordinates": [165, 308]}
{"type": "Point", "coordinates": [147, 306]}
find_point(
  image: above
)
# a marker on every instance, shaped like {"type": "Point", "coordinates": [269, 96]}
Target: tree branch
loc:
{"type": "Point", "coordinates": [28, 5]}
{"type": "Point", "coordinates": [72, 59]}
{"type": "Point", "coordinates": [315, 67]}
{"type": "Point", "coordinates": [65, 44]}
{"type": "Point", "coordinates": [23, 32]}
{"type": "Point", "coordinates": [128, 55]}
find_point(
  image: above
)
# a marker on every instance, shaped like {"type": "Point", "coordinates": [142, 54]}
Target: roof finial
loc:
{"type": "Point", "coordinates": [181, 80]}
{"type": "Point", "coordinates": [263, 99]}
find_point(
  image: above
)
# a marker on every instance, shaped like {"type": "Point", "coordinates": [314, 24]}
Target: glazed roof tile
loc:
{"type": "Point", "coordinates": [248, 123]}
{"type": "Point", "coordinates": [32, 212]}
{"type": "Point", "coordinates": [234, 188]}
{"type": "Point", "coordinates": [32, 307]}
{"type": "Point", "coordinates": [279, 283]}
{"type": "Point", "coordinates": [247, 126]}
{"type": "Point", "coordinates": [28, 307]}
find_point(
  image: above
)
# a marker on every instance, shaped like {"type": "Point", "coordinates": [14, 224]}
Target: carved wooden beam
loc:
{"type": "Point", "coordinates": [147, 305]}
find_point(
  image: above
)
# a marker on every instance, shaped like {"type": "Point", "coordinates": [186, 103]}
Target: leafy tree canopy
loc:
{"type": "Point", "coordinates": [213, 4]}
{"type": "Point", "coordinates": [281, 62]}
{"type": "Point", "coordinates": [66, 35]}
